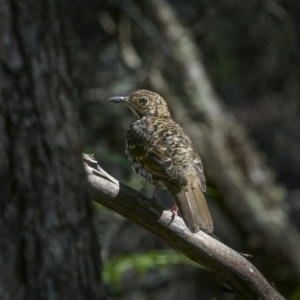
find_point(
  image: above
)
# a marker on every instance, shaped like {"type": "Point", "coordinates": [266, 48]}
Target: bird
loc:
{"type": "Point", "coordinates": [161, 151]}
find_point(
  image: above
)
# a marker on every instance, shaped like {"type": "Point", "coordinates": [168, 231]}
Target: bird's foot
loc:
{"type": "Point", "coordinates": [174, 210]}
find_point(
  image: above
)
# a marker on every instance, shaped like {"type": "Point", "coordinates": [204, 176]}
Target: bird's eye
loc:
{"type": "Point", "coordinates": [143, 101]}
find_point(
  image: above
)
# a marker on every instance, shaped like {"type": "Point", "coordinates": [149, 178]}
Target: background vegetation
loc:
{"type": "Point", "coordinates": [250, 51]}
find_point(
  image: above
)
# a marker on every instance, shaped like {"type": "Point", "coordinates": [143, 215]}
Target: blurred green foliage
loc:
{"type": "Point", "coordinates": [159, 260]}
{"type": "Point", "coordinates": [99, 207]}
{"type": "Point", "coordinates": [295, 295]}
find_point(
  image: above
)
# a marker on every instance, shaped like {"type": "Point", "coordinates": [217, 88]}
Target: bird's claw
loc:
{"type": "Point", "coordinates": [174, 210]}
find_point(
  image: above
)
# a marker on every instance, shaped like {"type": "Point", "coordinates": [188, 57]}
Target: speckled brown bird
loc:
{"type": "Point", "coordinates": [161, 151]}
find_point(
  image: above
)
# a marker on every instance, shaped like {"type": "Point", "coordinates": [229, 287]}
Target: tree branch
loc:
{"type": "Point", "coordinates": [225, 263]}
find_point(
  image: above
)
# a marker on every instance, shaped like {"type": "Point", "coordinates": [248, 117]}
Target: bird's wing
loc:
{"type": "Point", "coordinates": [155, 156]}
{"type": "Point", "coordinates": [166, 154]}
{"type": "Point", "coordinates": [160, 162]}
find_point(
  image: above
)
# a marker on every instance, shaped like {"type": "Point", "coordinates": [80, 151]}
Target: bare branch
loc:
{"type": "Point", "coordinates": [225, 263]}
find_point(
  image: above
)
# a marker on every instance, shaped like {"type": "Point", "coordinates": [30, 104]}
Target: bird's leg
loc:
{"type": "Point", "coordinates": [174, 210]}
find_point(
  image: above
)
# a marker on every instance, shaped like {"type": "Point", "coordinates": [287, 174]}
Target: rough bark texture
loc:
{"type": "Point", "coordinates": [48, 244]}
{"type": "Point", "coordinates": [246, 281]}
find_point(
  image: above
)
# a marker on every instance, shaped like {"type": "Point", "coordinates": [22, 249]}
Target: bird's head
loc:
{"type": "Point", "coordinates": [144, 103]}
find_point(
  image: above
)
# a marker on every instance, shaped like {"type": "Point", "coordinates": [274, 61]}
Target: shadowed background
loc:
{"type": "Point", "coordinates": [250, 54]}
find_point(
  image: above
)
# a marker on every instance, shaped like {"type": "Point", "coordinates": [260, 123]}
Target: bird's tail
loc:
{"type": "Point", "coordinates": [193, 207]}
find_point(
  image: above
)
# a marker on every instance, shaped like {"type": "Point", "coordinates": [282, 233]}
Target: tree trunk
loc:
{"type": "Point", "coordinates": [48, 245]}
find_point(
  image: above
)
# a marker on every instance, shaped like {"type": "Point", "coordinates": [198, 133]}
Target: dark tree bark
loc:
{"type": "Point", "coordinates": [48, 244]}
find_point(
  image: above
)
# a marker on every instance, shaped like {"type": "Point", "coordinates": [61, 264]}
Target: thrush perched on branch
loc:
{"type": "Point", "coordinates": [161, 151]}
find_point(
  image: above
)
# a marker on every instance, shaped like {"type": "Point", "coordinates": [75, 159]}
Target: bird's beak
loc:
{"type": "Point", "coordinates": [119, 99]}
